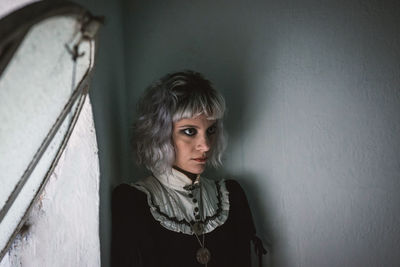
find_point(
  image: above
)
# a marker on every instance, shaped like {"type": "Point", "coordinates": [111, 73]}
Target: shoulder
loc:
{"type": "Point", "coordinates": [124, 189]}
{"type": "Point", "coordinates": [126, 193]}
{"type": "Point", "coordinates": [230, 186]}
{"type": "Point", "coordinates": [240, 209]}
{"type": "Point", "coordinates": [234, 187]}
{"type": "Point", "coordinates": [236, 193]}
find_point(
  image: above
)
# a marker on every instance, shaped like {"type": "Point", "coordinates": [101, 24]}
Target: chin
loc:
{"type": "Point", "coordinates": [198, 169]}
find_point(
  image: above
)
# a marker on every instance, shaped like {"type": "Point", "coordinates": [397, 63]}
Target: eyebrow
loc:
{"type": "Point", "coordinates": [194, 126]}
{"type": "Point", "coordinates": [188, 126]}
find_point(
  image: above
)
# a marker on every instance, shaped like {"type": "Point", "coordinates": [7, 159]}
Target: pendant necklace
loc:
{"type": "Point", "coordinates": [203, 255]}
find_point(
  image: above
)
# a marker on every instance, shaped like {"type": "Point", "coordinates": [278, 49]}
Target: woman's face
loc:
{"type": "Point", "coordinates": [193, 138]}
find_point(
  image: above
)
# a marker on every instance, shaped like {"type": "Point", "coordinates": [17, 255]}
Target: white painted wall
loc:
{"type": "Point", "coordinates": [108, 97]}
{"type": "Point", "coordinates": [314, 119]}
{"type": "Point", "coordinates": [8, 6]}
{"type": "Point", "coordinates": [107, 93]}
{"type": "Point", "coordinates": [63, 226]}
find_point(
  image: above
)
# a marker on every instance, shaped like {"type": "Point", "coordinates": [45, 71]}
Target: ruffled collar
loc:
{"type": "Point", "coordinates": [176, 179]}
{"type": "Point", "coordinates": [177, 202]}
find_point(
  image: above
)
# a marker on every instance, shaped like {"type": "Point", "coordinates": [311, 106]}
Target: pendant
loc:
{"type": "Point", "coordinates": [203, 255]}
{"type": "Point", "coordinates": [198, 228]}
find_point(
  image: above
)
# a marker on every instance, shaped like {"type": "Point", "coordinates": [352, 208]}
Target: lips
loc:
{"type": "Point", "coordinates": [201, 160]}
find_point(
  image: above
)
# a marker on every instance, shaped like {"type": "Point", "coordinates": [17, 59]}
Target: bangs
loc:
{"type": "Point", "coordinates": [212, 107]}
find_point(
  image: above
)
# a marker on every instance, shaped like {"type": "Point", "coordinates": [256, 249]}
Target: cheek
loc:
{"type": "Point", "coordinates": [183, 148]}
{"type": "Point", "coordinates": [212, 139]}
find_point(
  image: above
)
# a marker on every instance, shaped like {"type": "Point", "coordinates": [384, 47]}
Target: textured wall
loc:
{"type": "Point", "coordinates": [314, 119]}
{"type": "Point", "coordinates": [63, 226]}
{"type": "Point", "coordinates": [108, 97]}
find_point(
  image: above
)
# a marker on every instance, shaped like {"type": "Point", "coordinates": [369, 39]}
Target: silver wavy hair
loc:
{"type": "Point", "coordinates": [175, 96]}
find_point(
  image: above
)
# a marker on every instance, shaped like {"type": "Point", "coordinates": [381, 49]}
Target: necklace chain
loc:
{"type": "Point", "coordinates": [202, 244]}
{"type": "Point", "coordinates": [203, 254]}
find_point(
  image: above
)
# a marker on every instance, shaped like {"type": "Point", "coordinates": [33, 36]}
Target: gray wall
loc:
{"type": "Point", "coordinates": [314, 117]}
{"type": "Point", "coordinates": [107, 95]}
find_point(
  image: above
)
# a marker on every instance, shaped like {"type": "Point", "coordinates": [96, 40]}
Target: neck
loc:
{"type": "Point", "coordinates": [190, 175]}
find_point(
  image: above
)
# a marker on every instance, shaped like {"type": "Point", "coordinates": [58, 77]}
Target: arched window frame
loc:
{"type": "Point", "coordinates": [13, 29]}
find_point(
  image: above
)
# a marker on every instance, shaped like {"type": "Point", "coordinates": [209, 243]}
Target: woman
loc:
{"type": "Point", "coordinates": [176, 217]}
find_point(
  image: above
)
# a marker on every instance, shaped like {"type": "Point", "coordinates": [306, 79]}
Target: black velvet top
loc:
{"type": "Point", "coordinates": [139, 240]}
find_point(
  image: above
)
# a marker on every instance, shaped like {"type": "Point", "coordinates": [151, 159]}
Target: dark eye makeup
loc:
{"type": "Point", "coordinates": [211, 130]}
{"type": "Point", "coordinates": [190, 131]}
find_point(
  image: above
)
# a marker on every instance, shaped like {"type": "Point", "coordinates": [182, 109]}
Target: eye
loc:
{"type": "Point", "coordinates": [212, 130]}
{"type": "Point", "coordinates": [189, 131]}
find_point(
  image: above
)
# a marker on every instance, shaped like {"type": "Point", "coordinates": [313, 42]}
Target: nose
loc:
{"type": "Point", "coordinates": [203, 144]}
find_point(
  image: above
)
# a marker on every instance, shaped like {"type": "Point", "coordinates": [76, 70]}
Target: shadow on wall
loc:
{"type": "Point", "coordinates": [256, 196]}
{"type": "Point", "coordinates": [235, 71]}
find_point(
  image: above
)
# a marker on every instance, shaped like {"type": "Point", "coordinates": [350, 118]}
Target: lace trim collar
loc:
{"type": "Point", "coordinates": [176, 205]}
